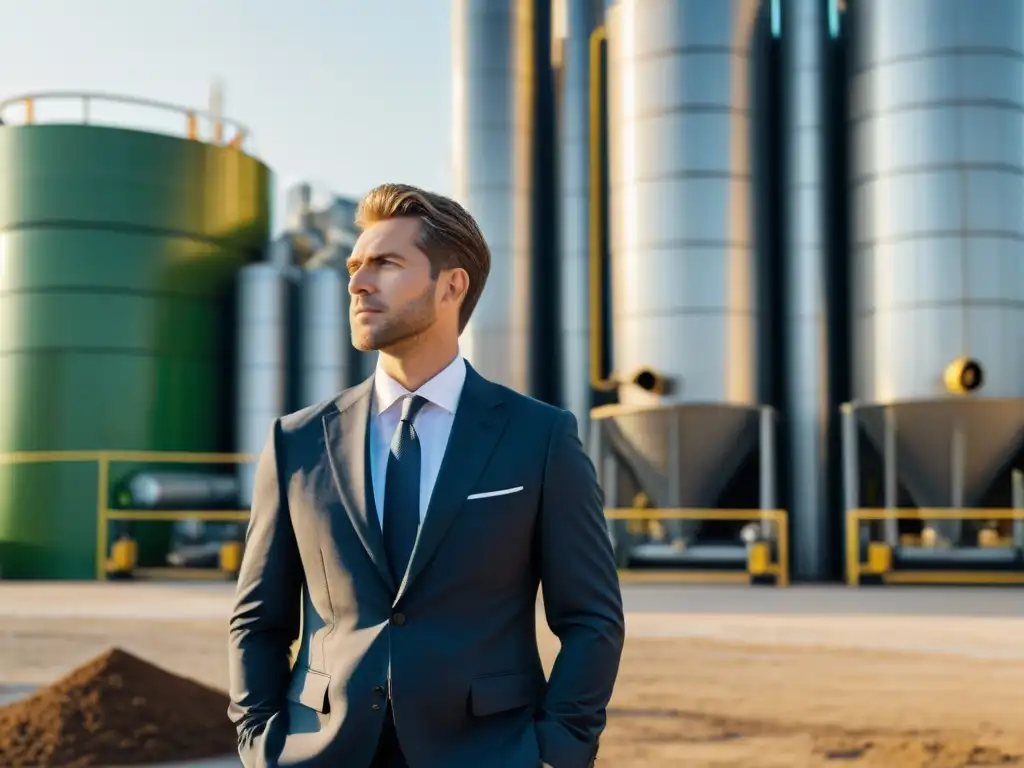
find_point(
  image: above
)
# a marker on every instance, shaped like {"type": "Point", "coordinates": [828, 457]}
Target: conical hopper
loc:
{"type": "Point", "coordinates": [992, 431]}
{"type": "Point", "coordinates": [713, 440]}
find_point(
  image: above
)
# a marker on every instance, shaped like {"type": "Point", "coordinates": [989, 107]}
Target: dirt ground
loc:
{"type": "Point", "coordinates": [707, 703]}
{"type": "Point", "coordinates": [744, 689]}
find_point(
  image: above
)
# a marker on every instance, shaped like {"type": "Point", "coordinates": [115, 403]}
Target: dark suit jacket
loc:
{"type": "Point", "coordinates": [468, 688]}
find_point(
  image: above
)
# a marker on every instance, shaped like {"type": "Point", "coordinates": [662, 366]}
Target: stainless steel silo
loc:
{"type": "Point", "coordinates": [324, 340]}
{"type": "Point", "coordinates": [808, 333]}
{"type": "Point", "coordinates": [493, 92]}
{"type": "Point", "coordinates": [937, 184]}
{"type": "Point", "coordinates": [684, 268]}
{"type": "Point", "coordinates": [581, 18]}
{"type": "Point", "coordinates": [264, 291]}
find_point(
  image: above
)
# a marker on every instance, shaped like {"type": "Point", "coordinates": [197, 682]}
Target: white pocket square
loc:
{"type": "Point", "coordinates": [489, 494]}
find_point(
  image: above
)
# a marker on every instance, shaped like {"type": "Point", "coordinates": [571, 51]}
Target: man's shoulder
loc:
{"type": "Point", "coordinates": [536, 411]}
{"type": "Point", "coordinates": [296, 421]}
{"type": "Point", "coordinates": [312, 415]}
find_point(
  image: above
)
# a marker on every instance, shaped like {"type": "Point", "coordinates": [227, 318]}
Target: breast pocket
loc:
{"type": "Point", "coordinates": [495, 494]}
{"type": "Point", "coordinates": [501, 504]}
{"type": "Point", "coordinates": [493, 533]}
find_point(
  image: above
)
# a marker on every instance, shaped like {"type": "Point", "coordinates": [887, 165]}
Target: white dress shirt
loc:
{"type": "Point", "coordinates": [433, 426]}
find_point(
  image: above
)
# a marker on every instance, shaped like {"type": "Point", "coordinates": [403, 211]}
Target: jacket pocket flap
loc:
{"type": "Point", "coordinates": [309, 689]}
{"type": "Point", "coordinates": [499, 693]}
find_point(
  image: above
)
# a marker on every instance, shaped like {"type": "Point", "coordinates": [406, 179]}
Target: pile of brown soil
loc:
{"type": "Point", "coordinates": [116, 710]}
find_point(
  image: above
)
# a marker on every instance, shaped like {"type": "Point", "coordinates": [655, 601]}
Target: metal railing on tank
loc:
{"type": "Point", "coordinates": [117, 555]}
{"type": "Point", "coordinates": [996, 556]}
{"type": "Point", "coordinates": [196, 124]}
{"type": "Point", "coordinates": [891, 540]}
{"type": "Point", "coordinates": [767, 557]}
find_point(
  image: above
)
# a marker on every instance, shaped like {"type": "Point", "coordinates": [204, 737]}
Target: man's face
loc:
{"type": "Point", "coordinates": [394, 297]}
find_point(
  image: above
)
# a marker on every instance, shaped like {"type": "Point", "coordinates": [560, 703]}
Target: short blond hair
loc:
{"type": "Point", "coordinates": [449, 236]}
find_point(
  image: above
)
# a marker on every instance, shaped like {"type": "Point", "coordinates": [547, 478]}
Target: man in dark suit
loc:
{"type": "Point", "coordinates": [412, 519]}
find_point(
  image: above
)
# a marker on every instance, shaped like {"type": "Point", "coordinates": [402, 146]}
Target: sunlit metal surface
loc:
{"type": "Point", "coordinates": [323, 335]}
{"type": "Point", "coordinates": [937, 182]}
{"type": "Point", "coordinates": [264, 291]}
{"type": "Point", "coordinates": [684, 273]}
{"type": "Point", "coordinates": [493, 83]}
{"type": "Point", "coordinates": [180, 490]}
{"type": "Point", "coordinates": [683, 264]}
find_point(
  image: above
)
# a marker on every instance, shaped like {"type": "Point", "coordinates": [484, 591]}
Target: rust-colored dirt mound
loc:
{"type": "Point", "coordinates": [115, 710]}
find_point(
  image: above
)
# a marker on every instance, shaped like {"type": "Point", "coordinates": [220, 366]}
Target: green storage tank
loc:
{"type": "Point", "coordinates": [118, 252]}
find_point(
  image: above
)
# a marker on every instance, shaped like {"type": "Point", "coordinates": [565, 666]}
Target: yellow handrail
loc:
{"type": "Point", "coordinates": [778, 517]}
{"type": "Point", "coordinates": [104, 514]}
{"type": "Point", "coordinates": [29, 101]}
{"type": "Point", "coordinates": [938, 513]}
{"type": "Point", "coordinates": [855, 517]}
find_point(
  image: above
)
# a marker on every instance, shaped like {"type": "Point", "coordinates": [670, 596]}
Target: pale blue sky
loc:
{"type": "Point", "coordinates": [347, 93]}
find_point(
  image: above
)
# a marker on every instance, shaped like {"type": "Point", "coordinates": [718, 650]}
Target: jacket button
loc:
{"type": "Point", "coordinates": [379, 690]}
{"type": "Point", "coordinates": [398, 619]}
{"type": "Point", "coordinates": [375, 707]}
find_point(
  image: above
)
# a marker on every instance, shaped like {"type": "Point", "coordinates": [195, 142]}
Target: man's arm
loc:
{"type": "Point", "coordinates": [582, 600]}
{"type": "Point", "coordinates": [265, 619]}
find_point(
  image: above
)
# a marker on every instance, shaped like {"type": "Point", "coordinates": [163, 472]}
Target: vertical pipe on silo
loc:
{"type": "Point", "coordinates": [804, 29]}
{"type": "Point", "coordinates": [582, 17]}
{"type": "Point", "coordinates": [544, 363]}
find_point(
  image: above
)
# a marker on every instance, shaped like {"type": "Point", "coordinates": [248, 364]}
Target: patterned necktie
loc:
{"type": "Point", "coordinates": [402, 490]}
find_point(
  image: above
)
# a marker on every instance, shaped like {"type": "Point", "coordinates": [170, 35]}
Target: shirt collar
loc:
{"type": "Point", "coordinates": [443, 390]}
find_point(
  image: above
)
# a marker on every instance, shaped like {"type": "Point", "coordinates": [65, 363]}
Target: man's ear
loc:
{"type": "Point", "coordinates": [458, 285]}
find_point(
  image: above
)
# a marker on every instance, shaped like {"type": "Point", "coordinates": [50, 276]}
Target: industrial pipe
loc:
{"type": "Point", "coordinates": [598, 41]}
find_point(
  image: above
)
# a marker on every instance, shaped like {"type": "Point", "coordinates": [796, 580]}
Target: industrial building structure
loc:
{"type": "Point", "coordinates": [775, 218]}
{"type": "Point", "coordinates": [150, 331]}
{"type": "Point", "coordinates": [120, 250]}
{"type": "Point", "coordinates": [765, 250]}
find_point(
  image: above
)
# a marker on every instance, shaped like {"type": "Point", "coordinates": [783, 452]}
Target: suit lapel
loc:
{"type": "Point", "coordinates": [479, 423]}
{"type": "Point", "coordinates": [347, 433]}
